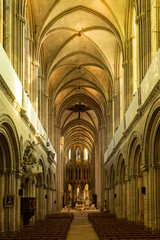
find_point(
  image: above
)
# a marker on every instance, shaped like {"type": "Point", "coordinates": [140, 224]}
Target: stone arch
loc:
{"type": "Point", "coordinates": [151, 156]}
{"type": "Point", "coordinates": [10, 165]}
{"type": "Point", "coordinates": [10, 141]}
{"type": "Point", "coordinates": [121, 187]}
{"type": "Point", "coordinates": [40, 190]}
{"type": "Point", "coordinates": [136, 202]}
{"type": "Point", "coordinates": [120, 171]}
{"type": "Point", "coordinates": [151, 134]}
{"type": "Point", "coordinates": [134, 150]}
{"type": "Point", "coordinates": [43, 177]}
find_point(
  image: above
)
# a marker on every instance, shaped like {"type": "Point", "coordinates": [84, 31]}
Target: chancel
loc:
{"type": "Point", "coordinates": [79, 119]}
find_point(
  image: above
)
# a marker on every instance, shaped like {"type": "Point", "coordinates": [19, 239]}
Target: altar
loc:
{"type": "Point", "coordinates": [79, 207]}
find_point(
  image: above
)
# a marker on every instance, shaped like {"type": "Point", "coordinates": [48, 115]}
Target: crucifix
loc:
{"type": "Point", "coordinates": [79, 108]}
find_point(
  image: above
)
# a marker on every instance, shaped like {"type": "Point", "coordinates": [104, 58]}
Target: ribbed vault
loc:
{"type": "Point", "coordinates": [80, 47]}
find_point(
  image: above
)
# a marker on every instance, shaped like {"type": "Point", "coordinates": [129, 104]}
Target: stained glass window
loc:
{"type": "Point", "coordinates": [69, 154]}
{"type": "Point", "coordinates": [85, 154]}
{"type": "Point", "coordinates": [78, 154]}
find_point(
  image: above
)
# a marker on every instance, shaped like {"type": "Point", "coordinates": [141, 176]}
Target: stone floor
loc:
{"type": "Point", "coordinates": [81, 228]}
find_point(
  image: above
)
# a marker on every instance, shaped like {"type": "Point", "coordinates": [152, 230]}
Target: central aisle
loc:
{"type": "Point", "coordinates": [81, 228]}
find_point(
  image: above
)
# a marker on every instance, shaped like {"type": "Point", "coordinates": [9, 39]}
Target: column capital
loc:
{"type": "Point", "coordinates": [152, 165]}
{"type": "Point", "coordinates": [10, 171]}
{"type": "Point", "coordinates": [19, 174]}
{"type": "Point", "coordinates": [133, 176]}
{"type": "Point", "coordinates": [140, 17]}
{"type": "Point", "coordinates": [116, 182]}
{"type": "Point", "coordinates": [29, 38]}
{"type": "Point", "coordinates": [34, 180]}
{"type": "Point", "coordinates": [45, 185]}
{"type": "Point", "coordinates": [144, 168]}
{"type": "Point", "coordinates": [21, 18]}
{"type": "Point", "coordinates": [35, 64]}
{"type": "Point", "coordinates": [31, 179]}
{"type": "Point", "coordinates": [38, 185]}
{"type": "Point", "coordinates": [127, 179]}
{"type": "Point", "coordinates": [125, 63]}
{"type": "Point", "coordinates": [2, 171]}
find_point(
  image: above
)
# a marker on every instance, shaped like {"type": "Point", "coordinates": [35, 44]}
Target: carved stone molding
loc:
{"type": "Point", "coordinates": [124, 64]}
{"type": "Point", "coordinates": [10, 171]}
{"type": "Point", "coordinates": [19, 174]}
{"type": "Point", "coordinates": [45, 185]}
{"type": "Point", "coordinates": [140, 17]}
{"type": "Point", "coordinates": [127, 178]}
{"type": "Point", "coordinates": [144, 168]}
{"type": "Point", "coordinates": [5, 89]}
{"type": "Point", "coordinates": [21, 18]}
{"type": "Point", "coordinates": [2, 171]}
{"type": "Point", "coordinates": [133, 176]}
{"type": "Point", "coordinates": [151, 96]}
{"type": "Point", "coordinates": [51, 157]}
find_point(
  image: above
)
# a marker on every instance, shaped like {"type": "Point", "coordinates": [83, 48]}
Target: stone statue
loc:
{"type": "Point", "coordinates": [31, 167]}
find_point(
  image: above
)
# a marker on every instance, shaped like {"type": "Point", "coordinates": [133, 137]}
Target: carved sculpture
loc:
{"type": "Point", "coordinates": [31, 167]}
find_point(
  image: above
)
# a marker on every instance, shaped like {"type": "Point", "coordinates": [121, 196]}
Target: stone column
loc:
{"type": "Point", "coordinates": [156, 193]}
{"type": "Point", "coordinates": [111, 199]}
{"type": "Point", "coordinates": [34, 187]}
{"type": "Point", "coordinates": [30, 186]}
{"type": "Point", "coordinates": [49, 200]}
{"type": "Point", "coordinates": [38, 200]}
{"type": "Point", "coordinates": [1, 22]}
{"type": "Point", "coordinates": [46, 123]}
{"type": "Point", "coordinates": [121, 95]}
{"type": "Point", "coordinates": [41, 199]}
{"type": "Point", "coordinates": [20, 43]}
{"type": "Point", "coordinates": [33, 195]}
{"type": "Point", "coordinates": [155, 35]}
{"type": "Point", "coordinates": [45, 199]}
{"type": "Point", "coordinates": [128, 185]}
{"type": "Point", "coordinates": [7, 20]}
{"type": "Point", "coordinates": [145, 171]}
{"type": "Point", "coordinates": [107, 198]}
{"type": "Point", "coordinates": [34, 96]}
{"type": "Point", "coordinates": [11, 190]}
{"type": "Point", "coordinates": [133, 199]}
{"type": "Point", "coordinates": [2, 194]}
{"type": "Point", "coordinates": [101, 164]}
{"type": "Point", "coordinates": [18, 199]}
{"type": "Point", "coordinates": [124, 208]}
{"type": "Point", "coordinates": [54, 199]}
{"type": "Point", "coordinates": [117, 199]}
{"type": "Point", "coordinates": [151, 195]}
{"type": "Point", "coordinates": [97, 183]}
{"type": "Point", "coordinates": [113, 113]}
{"type": "Point", "coordinates": [59, 168]}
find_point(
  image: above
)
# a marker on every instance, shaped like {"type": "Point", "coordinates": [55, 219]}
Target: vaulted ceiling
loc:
{"type": "Point", "coordinates": [77, 41]}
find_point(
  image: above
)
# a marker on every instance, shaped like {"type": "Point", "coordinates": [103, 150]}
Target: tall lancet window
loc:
{"type": "Point", "coordinates": [78, 154]}
{"type": "Point", "coordinates": [85, 154]}
{"type": "Point", "coordinates": [69, 154]}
